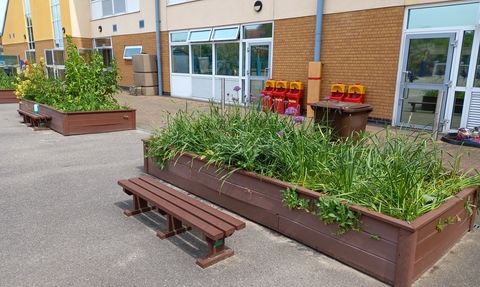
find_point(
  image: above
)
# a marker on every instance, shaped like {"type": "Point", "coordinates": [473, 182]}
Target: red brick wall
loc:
{"type": "Point", "coordinates": [363, 47]}
{"type": "Point", "coordinates": [356, 47]}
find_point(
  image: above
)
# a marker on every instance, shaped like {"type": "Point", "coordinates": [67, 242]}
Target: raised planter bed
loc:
{"type": "Point", "coordinates": [77, 123]}
{"type": "Point", "coordinates": [8, 96]}
{"type": "Point", "coordinates": [389, 249]}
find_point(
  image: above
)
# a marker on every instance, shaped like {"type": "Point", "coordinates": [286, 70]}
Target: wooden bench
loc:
{"type": "Point", "coordinates": [180, 208]}
{"type": "Point", "coordinates": [38, 121]}
{"type": "Point", "coordinates": [414, 104]}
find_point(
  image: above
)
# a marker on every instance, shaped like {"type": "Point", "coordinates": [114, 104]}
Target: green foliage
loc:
{"type": "Point", "coordinates": [331, 210]}
{"type": "Point", "coordinates": [441, 224]}
{"type": "Point", "coordinates": [395, 172]}
{"type": "Point", "coordinates": [375, 236]}
{"type": "Point", "coordinates": [7, 82]}
{"type": "Point", "coordinates": [89, 84]}
{"type": "Point", "coordinates": [469, 206]}
{"type": "Point", "coordinates": [293, 201]}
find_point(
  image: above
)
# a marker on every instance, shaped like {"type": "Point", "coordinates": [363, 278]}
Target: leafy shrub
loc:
{"type": "Point", "coordinates": [89, 84]}
{"type": "Point", "coordinates": [7, 82]}
{"type": "Point", "coordinates": [399, 174]}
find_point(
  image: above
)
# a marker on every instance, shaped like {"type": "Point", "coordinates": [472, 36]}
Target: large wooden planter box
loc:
{"type": "Point", "coordinates": [402, 254]}
{"type": "Point", "coordinates": [8, 96]}
{"type": "Point", "coordinates": [77, 123]}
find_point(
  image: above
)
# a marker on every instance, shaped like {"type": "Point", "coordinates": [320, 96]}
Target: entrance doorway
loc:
{"type": "Point", "coordinates": [427, 65]}
{"type": "Point", "coordinates": [257, 67]}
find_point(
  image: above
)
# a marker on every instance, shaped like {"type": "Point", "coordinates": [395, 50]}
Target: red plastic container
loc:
{"type": "Point", "coordinates": [338, 92]}
{"type": "Point", "coordinates": [356, 94]}
{"type": "Point", "coordinates": [295, 95]}
{"type": "Point", "coordinates": [279, 95]}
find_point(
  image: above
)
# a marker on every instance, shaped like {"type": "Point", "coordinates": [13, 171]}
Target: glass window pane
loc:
{"type": "Point", "coordinates": [427, 60]}
{"type": "Point", "coordinates": [203, 35]}
{"type": "Point", "coordinates": [130, 50]}
{"type": "Point", "coordinates": [202, 59]}
{"type": "Point", "coordinates": [180, 59]}
{"type": "Point", "coordinates": [257, 31]}
{"type": "Point", "coordinates": [107, 8]}
{"type": "Point", "coordinates": [48, 57]}
{"type": "Point", "coordinates": [59, 57]}
{"type": "Point", "coordinates": [103, 42]}
{"type": "Point", "coordinates": [225, 34]}
{"type": "Point", "coordinates": [443, 16]}
{"type": "Point", "coordinates": [119, 6]}
{"type": "Point", "coordinates": [465, 58]}
{"type": "Point", "coordinates": [227, 58]}
{"type": "Point", "coordinates": [179, 37]}
{"type": "Point", "coordinates": [457, 110]}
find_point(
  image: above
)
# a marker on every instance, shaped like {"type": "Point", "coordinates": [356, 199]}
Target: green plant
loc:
{"type": "Point", "coordinates": [469, 206]}
{"type": "Point", "coordinates": [293, 201]}
{"type": "Point", "coordinates": [331, 210]}
{"type": "Point", "coordinates": [89, 84]}
{"type": "Point", "coordinates": [375, 236]}
{"type": "Point", "coordinates": [7, 82]}
{"type": "Point", "coordinates": [395, 172]}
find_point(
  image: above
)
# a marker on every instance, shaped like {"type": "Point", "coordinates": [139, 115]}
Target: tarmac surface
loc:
{"type": "Point", "coordinates": [62, 221]}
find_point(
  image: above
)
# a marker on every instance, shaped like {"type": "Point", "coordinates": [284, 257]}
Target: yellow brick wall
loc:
{"type": "Point", "coordinates": [293, 45]}
{"type": "Point", "coordinates": [165, 54]}
{"type": "Point", "coordinates": [363, 47]}
{"type": "Point", "coordinates": [357, 47]}
{"type": "Point", "coordinates": [15, 49]}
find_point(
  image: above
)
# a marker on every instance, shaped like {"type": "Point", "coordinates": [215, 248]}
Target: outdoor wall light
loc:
{"type": "Point", "coordinates": [257, 6]}
{"type": "Point", "coordinates": [24, 37]}
{"type": "Point", "coordinates": [63, 30]}
{"type": "Point", "coordinates": [99, 28]}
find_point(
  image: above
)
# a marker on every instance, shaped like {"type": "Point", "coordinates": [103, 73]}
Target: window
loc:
{"type": "Point", "coordinates": [28, 17]}
{"type": "Point", "coordinates": [106, 8]}
{"type": "Point", "coordinates": [443, 16]}
{"type": "Point", "coordinates": [180, 59]}
{"type": "Point", "coordinates": [104, 47]}
{"type": "Point", "coordinates": [202, 59]}
{"type": "Point", "coordinates": [227, 58]}
{"type": "Point", "coordinates": [178, 37]}
{"type": "Point", "coordinates": [199, 35]}
{"type": "Point", "coordinates": [257, 31]}
{"type": "Point", "coordinates": [55, 62]}
{"type": "Point", "coordinates": [225, 33]}
{"type": "Point", "coordinates": [30, 56]}
{"type": "Point", "coordinates": [130, 50]}
{"type": "Point", "coordinates": [57, 24]}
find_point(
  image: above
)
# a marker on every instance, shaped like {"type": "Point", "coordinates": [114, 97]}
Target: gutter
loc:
{"type": "Point", "coordinates": [318, 31]}
{"type": "Point", "coordinates": [159, 55]}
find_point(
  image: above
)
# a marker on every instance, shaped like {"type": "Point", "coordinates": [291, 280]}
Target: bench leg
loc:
{"type": "Point", "coordinates": [174, 227]}
{"type": "Point", "coordinates": [140, 205]}
{"type": "Point", "coordinates": [413, 107]}
{"type": "Point", "coordinates": [216, 253]}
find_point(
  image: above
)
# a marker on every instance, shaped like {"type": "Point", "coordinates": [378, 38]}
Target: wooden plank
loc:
{"type": "Point", "coordinates": [189, 207]}
{"type": "Point", "coordinates": [238, 224]}
{"type": "Point", "coordinates": [207, 229]}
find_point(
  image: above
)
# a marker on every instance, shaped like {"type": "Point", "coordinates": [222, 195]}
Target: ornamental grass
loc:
{"type": "Point", "coordinates": [395, 172]}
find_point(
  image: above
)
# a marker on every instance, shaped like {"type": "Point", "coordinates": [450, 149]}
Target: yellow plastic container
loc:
{"type": "Point", "coordinates": [339, 88]}
{"type": "Point", "coordinates": [282, 85]}
{"type": "Point", "coordinates": [357, 89]}
{"type": "Point", "coordinates": [270, 84]}
{"type": "Point", "coordinates": [296, 86]}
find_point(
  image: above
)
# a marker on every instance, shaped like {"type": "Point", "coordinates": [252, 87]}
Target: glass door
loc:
{"type": "Point", "coordinates": [257, 68]}
{"type": "Point", "coordinates": [427, 64]}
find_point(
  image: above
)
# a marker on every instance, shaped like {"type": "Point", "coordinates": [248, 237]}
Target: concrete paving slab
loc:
{"type": "Point", "coordinates": [63, 224]}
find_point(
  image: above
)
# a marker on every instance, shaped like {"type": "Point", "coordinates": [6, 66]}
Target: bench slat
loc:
{"type": "Point", "coordinates": [206, 228]}
{"type": "Point", "coordinates": [238, 224]}
{"type": "Point", "coordinates": [196, 208]}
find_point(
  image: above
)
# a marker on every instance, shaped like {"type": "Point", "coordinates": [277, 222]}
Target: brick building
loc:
{"type": "Point", "coordinates": [404, 52]}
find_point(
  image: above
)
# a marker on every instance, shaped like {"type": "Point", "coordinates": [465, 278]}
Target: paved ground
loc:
{"type": "Point", "coordinates": [62, 221]}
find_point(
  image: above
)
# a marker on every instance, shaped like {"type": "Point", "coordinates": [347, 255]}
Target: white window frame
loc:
{"type": "Point", "coordinates": [129, 55]}
{"type": "Point", "coordinates": [212, 36]}
{"type": "Point", "coordinates": [193, 32]}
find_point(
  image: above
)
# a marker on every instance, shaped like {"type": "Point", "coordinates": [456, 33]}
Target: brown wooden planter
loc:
{"type": "Point", "coordinates": [77, 123]}
{"type": "Point", "coordinates": [402, 253]}
{"type": "Point", "coordinates": [8, 96]}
